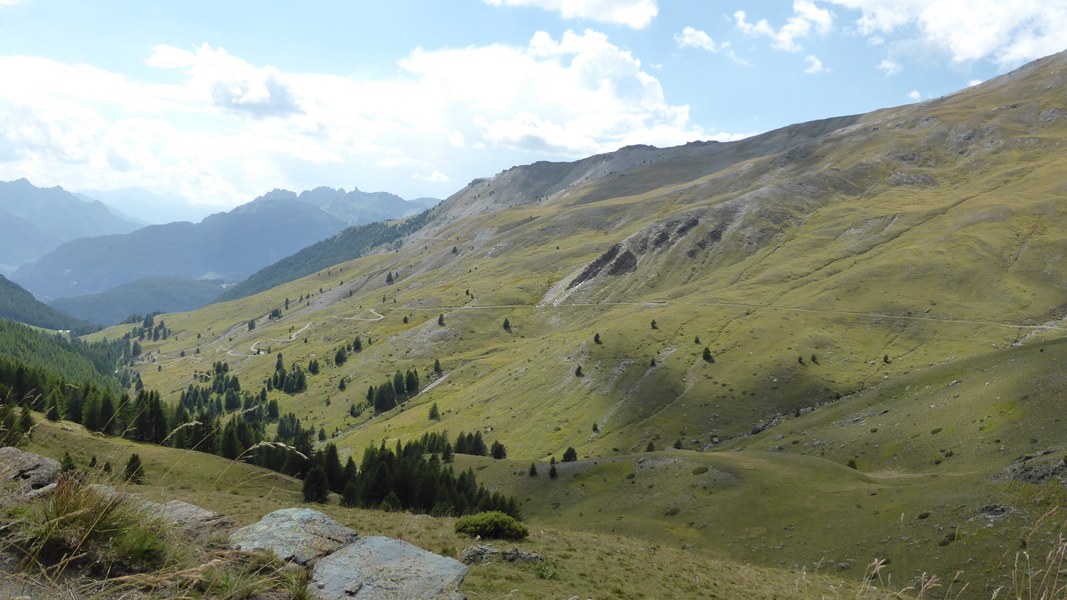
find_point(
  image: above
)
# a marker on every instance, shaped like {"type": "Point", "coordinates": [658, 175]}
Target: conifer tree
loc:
{"type": "Point", "coordinates": [134, 472]}
{"type": "Point", "coordinates": [316, 487]}
{"type": "Point", "coordinates": [533, 470]}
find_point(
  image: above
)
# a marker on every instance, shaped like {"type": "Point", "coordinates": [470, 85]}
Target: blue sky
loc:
{"type": "Point", "coordinates": [221, 101]}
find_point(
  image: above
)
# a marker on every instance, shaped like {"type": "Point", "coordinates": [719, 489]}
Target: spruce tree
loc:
{"type": "Point", "coordinates": [708, 358]}
{"type": "Point", "coordinates": [498, 451]}
{"type": "Point", "coordinates": [552, 473]}
{"type": "Point", "coordinates": [134, 472]}
{"type": "Point", "coordinates": [316, 487]}
{"type": "Point", "coordinates": [435, 413]}
{"type": "Point", "coordinates": [441, 320]}
{"type": "Point", "coordinates": [533, 470]}
{"type": "Point", "coordinates": [570, 455]}
{"type": "Point", "coordinates": [507, 325]}
{"type": "Point", "coordinates": [350, 495]}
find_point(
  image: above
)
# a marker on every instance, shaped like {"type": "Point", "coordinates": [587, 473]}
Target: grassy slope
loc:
{"type": "Point", "coordinates": [924, 234]}
{"type": "Point", "coordinates": [576, 562]}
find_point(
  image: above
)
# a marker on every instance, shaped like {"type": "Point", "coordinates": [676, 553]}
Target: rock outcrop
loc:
{"type": "Point", "coordinates": [299, 535]}
{"type": "Point", "coordinates": [380, 568]}
{"type": "Point", "coordinates": [28, 470]}
{"type": "Point", "coordinates": [486, 553]}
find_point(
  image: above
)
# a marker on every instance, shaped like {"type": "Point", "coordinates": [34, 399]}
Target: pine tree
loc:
{"type": "Point", "coordinates": [654, 326]}
{"type": "Point", "coordinates": [357, 346]}
{"type": "Point", "coordinates": [134, 472]}
{"type": "Point", "coordinates": [437, 367]}
{"type": "Point", "coordinates": [435, 413]}
{"type": "Point", "coordinates": [341, 385]}
{"type": "Point", "coordinates": [498, 451]}
{"type": "Point", "coordinates": [596, 338]}
{"type": "Point", "coordinates": [533, 470]}
{"type": "Point", "coordinates": [68, 463]}
{"type": "Point", "coordinates": [441, 320]}
{"type": "Point", "coordinates": [507, 325]}
{"type": "Point", "coordinates": [578, 371]}
{"type": "Point", "coordinates": [552, 473]}
{"type": "Point", "coordinates": [708, 358]}
{"type": "Point", "coordinates": [570, 454]}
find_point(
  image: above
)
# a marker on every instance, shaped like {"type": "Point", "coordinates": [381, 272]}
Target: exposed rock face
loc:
{"type": "Point", "coordinates": [28, 470]}
{"type": "Point", "coordinates": [381, 568]}
{"type": "Point", "coordinates": [300, 535]}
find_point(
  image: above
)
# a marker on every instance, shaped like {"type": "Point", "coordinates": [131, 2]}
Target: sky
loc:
{"type": "Point", "coordinates": [219, 102]}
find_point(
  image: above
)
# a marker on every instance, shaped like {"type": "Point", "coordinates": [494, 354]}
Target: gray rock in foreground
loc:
{"type": "Point", "coordinates": [27, 469]}
{"type": "Point", "coordinates": [299, 535]}
{"type": "Point", "coordinates": [381, 568]}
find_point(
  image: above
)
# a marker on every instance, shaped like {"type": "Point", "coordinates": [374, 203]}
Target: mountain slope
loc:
{"type": "Point", "coordinates": [347, 245]}
{"type": "Point", "coordinates": [814, 263]}
{"type": "Point", "coordinates": [34, 221]}
{"type": "Point", "coordinates": [227, 246]}
{"type": "Point", "coordinates": [141, 297]}
{"type": "Point", "coordinates": [16, 304]}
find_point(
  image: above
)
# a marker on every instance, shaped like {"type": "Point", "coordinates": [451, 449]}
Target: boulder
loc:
{"type": "Point", "coordinates": [26, 469]}
{"type": "Point", "coordinates": [299, 535]}
{"type": "Point", "coordinates": [380, 568]}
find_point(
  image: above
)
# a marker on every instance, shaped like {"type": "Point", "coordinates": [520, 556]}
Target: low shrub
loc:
{"type": "Point", "coordinates": [493, 524]}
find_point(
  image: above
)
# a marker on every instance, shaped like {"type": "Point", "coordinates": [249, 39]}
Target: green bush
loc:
{"type": "Point", "coordinates": [494, 525]}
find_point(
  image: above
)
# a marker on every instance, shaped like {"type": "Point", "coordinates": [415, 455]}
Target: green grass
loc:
{"type": "Point", "coordinates": [583, 562]}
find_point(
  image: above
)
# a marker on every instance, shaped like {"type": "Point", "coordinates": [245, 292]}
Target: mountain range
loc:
{"type": "Point", "coordinates": [225, 246]}
{"type": "Point", "coordinates": [833, 344]}
{"type": "Point", "coordinates": [34, 221]}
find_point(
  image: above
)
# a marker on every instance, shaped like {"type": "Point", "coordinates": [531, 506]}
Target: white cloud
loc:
{"type": "Point", "coordinates": [815, 65]}
{"type": "Point", "coordinates": [1007, 33]}
{"type": "Point", "coordinates": [222, 130]}
{"type": "Point", "coordinates": [435, 177]}
{"type": "Point", "coordinates": [974, 82]}
{"type": "Point", "coordinates": [890, 67]}
{"type": "Point", "coordinates": [631, 13]}
{"type": "Point", "coordinates": [9, 2]}
{"type": "Point", "coordinates": [914, 95]}
{"type": "Point", "coordinates": [695, 38]}
{"type": "Point", "coordinates": [807, 18]}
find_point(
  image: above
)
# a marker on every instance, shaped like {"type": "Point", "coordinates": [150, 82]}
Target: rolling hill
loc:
{"type": "Point", "coordinates": [141, 297]}
{"type": "Point", "coordinates": [16, 304]}
{"type": "Point", "coordinates": [811, 348]}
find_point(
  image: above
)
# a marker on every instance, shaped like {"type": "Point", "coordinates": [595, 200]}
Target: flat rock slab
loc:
{"type": "Point", "coordinates": [27, 469]}
{"type": "Point", "coordinates": [189, 518]}
{"type": "Point", "coordinates": [381, 568]}
{"type": "Point", "coordinates": [299, 535]}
